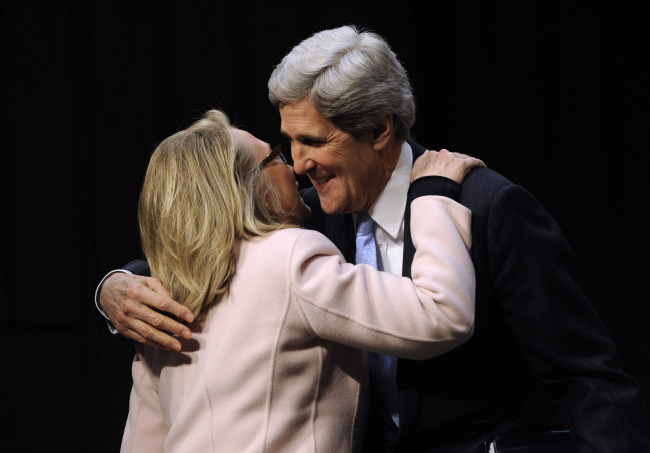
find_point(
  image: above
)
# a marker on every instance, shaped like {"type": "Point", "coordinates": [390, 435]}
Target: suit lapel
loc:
{"type": "Point", "coordinates": [338, 228]}
{"type": "Point", "coordinates": [409, 248]}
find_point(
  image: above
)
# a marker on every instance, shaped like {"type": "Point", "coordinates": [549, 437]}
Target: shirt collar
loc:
{"type": "Point", "coordinates": [388, 209]}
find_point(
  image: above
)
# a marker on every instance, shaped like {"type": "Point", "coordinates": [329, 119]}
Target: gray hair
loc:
{"type": "Point", "coordinates": [353, 78]}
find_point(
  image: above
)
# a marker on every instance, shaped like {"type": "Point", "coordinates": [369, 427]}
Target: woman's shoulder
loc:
{"type": "Point", "coordinates": [286, 239]}
{"type": "Point", "coordinates": [289, 235]}
{"type": "Point", "coordinates": [299, 243]}
{"type": "Point", "coordinates": [285, 251]}
{"type": "Point", "coordinates": [296, 233]}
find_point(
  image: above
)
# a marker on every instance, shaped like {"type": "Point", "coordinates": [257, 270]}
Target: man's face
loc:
{"type": "Point", "coordinates": [345, 170]}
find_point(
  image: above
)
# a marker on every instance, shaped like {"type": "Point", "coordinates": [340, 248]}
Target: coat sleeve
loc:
{"type": "Point", "coordinates": [145, 429]}
{"type": "Point", "coordinates": [561, 336]}
{"type": "Point", "coordinates": [361, 307]}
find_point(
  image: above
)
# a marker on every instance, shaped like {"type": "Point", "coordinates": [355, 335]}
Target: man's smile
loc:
{"type": "Point", "coordinates": [321, 181]}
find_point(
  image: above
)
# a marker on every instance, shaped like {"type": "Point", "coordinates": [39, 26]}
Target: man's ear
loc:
{"type": "Point", "coordinates": [382, 132]}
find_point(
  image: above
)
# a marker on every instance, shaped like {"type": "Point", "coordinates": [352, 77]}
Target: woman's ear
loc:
{"type": "Point", "coordinates": [382, 132]}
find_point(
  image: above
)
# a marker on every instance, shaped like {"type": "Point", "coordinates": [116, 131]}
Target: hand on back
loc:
{"type": "Point", "coordinates": [134, 305]}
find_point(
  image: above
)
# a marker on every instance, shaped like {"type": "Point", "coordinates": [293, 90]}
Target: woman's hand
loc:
{"type": "Point", "coordinates": [444, 163]}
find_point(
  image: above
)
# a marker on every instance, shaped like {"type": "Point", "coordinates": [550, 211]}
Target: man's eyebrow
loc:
{"type": "Point", "coordinates": [305, 138]}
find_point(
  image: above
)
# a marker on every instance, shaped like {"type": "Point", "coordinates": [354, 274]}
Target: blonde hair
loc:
{"type": "Point", "coordinates": [202, 194]}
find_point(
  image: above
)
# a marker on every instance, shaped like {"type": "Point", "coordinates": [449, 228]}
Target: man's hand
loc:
{"type": "Point", "coordinates": [129, 302]}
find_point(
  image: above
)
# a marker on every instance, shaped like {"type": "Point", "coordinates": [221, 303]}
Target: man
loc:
{"type": "Point", "coordinates": [540, 359]}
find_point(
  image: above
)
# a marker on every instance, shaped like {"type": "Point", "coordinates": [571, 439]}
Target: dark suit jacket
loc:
{"type": "Point", "coordinates": [540, 358]}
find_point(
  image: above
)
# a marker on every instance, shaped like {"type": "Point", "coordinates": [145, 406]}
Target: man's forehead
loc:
{"type": "Point", "coordinates": [305, 126]}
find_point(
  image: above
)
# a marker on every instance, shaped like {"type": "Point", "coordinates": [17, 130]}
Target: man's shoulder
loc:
{"type": "Point", "coordinates": [481, 185]}
{"type": "Point", "coordinates": [482, 178]}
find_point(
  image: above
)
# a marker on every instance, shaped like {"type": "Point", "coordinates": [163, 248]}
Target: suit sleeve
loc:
{"type": "Point", "coordinates": [145, 429]}
{"type": "Point", "coordinates": [361, 307]}
{"type": "Point", "coordinates": [561, 336]}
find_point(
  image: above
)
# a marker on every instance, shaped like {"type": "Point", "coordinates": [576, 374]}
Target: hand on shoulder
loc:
{"type": "Point", "coordinates": [444, 163]}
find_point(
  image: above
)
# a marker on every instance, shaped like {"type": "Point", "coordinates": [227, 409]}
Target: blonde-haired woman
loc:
{"type": "Point", "coordinates": [275, 362]}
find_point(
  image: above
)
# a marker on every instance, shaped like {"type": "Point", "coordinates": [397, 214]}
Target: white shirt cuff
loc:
{"type": "Point", "coordinates": [109, 324]}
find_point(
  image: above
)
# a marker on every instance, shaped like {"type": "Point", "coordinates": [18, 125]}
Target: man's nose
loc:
{"type": "Point", "coordinates": [301, 161]}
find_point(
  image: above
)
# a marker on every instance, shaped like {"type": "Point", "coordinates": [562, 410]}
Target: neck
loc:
{"type": "Point", "coordinates": [388, 158]}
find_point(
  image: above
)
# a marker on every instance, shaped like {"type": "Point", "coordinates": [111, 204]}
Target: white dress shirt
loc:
{"type": "Point", "coordinates": [388, 213]}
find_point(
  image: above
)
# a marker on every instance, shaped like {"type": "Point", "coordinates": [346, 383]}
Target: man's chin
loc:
{"type": "Point", "coordinates": [331, 206]}
{"type": "Point", "coordinates": [334, 211]}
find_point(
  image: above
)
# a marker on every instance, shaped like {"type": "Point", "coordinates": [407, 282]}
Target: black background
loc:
{"type": "Point", "coordinates": [552, 95]}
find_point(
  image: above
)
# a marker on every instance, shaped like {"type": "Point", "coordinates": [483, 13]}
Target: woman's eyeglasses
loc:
{"type": "Point", "coordinates": [275, 154]}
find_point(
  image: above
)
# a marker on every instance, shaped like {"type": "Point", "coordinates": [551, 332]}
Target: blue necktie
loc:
{"type": "Point", "coordinates": [383, 368]}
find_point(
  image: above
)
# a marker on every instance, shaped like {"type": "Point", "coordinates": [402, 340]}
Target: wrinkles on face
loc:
{"type": "Point", "coordinates": [346, 170]}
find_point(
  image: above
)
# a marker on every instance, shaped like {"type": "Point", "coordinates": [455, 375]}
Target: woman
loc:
{"type": "Point", "coordinates": [275, 362]}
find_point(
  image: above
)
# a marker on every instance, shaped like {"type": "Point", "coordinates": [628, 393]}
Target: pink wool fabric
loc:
{"type": "Point", "coordinates": [278, 364]}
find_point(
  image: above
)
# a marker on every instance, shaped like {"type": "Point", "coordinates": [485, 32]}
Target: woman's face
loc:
{"type": "Point", "coordinates": [282, 173]}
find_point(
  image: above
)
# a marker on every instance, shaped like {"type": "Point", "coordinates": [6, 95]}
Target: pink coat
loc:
{"type": "Point", "coordinates": [277, 365]}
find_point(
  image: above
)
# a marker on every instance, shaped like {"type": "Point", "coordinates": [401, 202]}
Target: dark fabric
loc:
{"type": "Point", "coordinates": [540, 358]}
{"type": "Point", "coordinates": [438, 185]}
{"type": "Point", "coordinates": [138, 267]}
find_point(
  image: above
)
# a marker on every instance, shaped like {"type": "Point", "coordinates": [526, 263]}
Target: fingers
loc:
{"type": "Point", "coordinates": [456, 155]}
{"type": "Point", "coordinates": [448, 156]}
{"type": "Point", "coordinates": [149, 327]}
{"type": "Point", "coordinates": [143, 333]}
{"type": "Point", "coordinates": [451, 165]}
{"type": "Point", "coordinates": [155, 295]}
{"type": "Point", "coordinates": [165, 303]}
{"type": "Point", "coordinates": [156, 285]}
{"type": "Point", "coordinates": [141, 313]}
{"type": "Point", "coordinates": [138, 307]}
{"type": "Point", "coordinates": [153, 337]}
